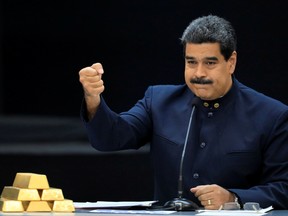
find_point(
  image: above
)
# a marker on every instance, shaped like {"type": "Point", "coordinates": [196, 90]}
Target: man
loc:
{"type": "Point", "coordinates": [237, 140]}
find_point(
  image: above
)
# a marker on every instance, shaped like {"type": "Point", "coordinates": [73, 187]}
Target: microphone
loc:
{"type": "Point", "coordinates": [180, 203]}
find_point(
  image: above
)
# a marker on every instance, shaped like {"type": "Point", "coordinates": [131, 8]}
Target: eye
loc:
{"type": "Point", "coordinates": [193, 62]}
{"type": "Point", "coordinates": [210, 63]}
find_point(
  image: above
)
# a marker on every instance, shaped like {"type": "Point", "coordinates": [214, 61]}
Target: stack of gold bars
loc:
{"type": "Point", "coordinates": [30, 192]}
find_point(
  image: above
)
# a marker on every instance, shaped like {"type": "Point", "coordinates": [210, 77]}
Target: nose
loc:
{"type": "Point", "coordinates": [200, 71]}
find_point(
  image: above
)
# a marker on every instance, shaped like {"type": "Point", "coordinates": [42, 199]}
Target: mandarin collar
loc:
{"type": "Point", "coordinates": [221, 102]}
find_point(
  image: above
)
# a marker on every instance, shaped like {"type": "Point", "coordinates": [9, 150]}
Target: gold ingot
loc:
{"type": "Point", "coordinates": [36, 206]}
{"type": "Point", "coordinates": [65, 205]}
{"type": "Point", "coordinates": [51, 194]}
{"type": "Point", "coordinates": [11, 205]}
{"type": "Point", "coordinates": [15, 193]}
{"type": "Point", "coordinates": [31, 180]}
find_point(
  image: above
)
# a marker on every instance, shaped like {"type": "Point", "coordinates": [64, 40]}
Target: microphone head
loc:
{"type": "Point", "coordinates": [195, 100]}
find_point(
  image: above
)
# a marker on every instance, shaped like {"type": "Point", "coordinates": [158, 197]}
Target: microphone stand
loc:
{"type": "Point", "coordinates": [180, 203]}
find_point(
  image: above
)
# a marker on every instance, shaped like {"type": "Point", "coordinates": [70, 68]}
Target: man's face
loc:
{"type": "Point", "coordinates": [207, 73]}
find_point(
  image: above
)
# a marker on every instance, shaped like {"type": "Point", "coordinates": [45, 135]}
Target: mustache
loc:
{"type": "Point", "coordinates": [201, 81]}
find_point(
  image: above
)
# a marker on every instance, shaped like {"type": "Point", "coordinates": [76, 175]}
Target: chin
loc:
{"type": "Point", "coordinates": [203, 97]}
{"type": "Point", "coordinates": [206, 98]}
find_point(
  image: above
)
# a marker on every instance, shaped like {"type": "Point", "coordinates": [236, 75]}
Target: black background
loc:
{"type": "Point", "coordinates": [46, 43]}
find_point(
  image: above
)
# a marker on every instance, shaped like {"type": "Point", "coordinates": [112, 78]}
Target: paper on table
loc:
{"type": "Point", "coordinates": [132, 212]}
{"type": "Point", "coordinates": [233, 212]}
{"type": "Point", "coordinates": [109, 204]}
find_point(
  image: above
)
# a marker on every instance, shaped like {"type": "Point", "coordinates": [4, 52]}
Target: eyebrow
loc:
{"type": "Point", "coordinates": [213, 58]}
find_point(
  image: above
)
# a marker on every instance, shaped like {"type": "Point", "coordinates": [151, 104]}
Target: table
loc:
{"type": "Point", "coordinates": [87, 213]}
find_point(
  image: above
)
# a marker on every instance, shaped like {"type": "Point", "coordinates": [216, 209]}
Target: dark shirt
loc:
{"type": "Point", "coordinates": [239, 142]}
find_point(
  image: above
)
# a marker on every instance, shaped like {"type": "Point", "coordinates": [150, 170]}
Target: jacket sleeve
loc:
{"type": "Point", "coordinates": [110, 131]}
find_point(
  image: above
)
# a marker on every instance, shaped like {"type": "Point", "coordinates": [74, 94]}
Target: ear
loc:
{"type": "Point", "coordinates": [232, 62]}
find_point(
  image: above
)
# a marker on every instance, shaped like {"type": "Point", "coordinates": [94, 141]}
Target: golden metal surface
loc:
{"type": "Point", "coordinates": [36, 206]}
{"type": "Point", "coordinates": [63, 206]}
{"type": "Point", "coordinates": [11, 205]}
{"type": "Point", "coordinates": [51, 194]}
{"type": "Point", "coordinates": [31, 180]}
{"type": "Point", "coordinates": [23, 194]}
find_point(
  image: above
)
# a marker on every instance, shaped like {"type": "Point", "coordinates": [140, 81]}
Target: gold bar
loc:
{"type": "Point", "coordinates": [65, 205]}
{"type": "Point", "coordinates": [14, 193]}
{"type": "Point", "coordinates": [36, 206]}
{"type": "Point", "coordinates": [51, 194]}
{"type": "Point", "coordinates": [31, 180]}
{"type": "Point", "coordinates": [11, 205]}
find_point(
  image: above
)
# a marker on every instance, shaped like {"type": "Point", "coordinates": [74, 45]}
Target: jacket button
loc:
{"type": "Point", "coordinates": [195, 175]}
{"type": "Point", "coordinates": [210, 114]}
{"type": "Point", "coordinates": [202, 145]}
{"type": "Point", "coordinates": [206, 104]}
{"type": "Point", "coordinates": [216, 105]}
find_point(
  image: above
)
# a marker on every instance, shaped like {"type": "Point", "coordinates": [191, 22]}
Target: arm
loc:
{"type": "Point", "coordinates": [110, 131]}
{"type": "Point", "coordinates": [107, 130]}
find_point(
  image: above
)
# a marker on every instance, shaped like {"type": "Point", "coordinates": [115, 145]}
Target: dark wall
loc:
{"type": "Point", "coordinates": [46, 43]}
{"type": "Point", "coordinates": [1, 60]}
{"type": "Point", "coordinates": [86, 177]}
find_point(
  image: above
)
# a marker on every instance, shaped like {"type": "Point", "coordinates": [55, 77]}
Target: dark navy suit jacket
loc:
{"type": "Point", "coordinates": [239, 142]}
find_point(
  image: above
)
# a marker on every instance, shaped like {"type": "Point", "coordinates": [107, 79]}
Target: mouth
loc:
{"type": "Point", "coordinates": [201, 81]}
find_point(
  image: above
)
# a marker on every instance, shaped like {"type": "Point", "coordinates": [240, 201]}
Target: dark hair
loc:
{"type": "Point", "coordinates": [211, 29]}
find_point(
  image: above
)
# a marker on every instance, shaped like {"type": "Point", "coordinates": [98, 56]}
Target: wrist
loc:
{"type": "Point", "coordinates": [92, 104]}
{"type": "Point", "coordinates": [236, 199]}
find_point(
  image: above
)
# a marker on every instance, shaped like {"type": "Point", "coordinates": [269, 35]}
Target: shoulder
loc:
{"type": "Point", "coordinates": [258, 100]}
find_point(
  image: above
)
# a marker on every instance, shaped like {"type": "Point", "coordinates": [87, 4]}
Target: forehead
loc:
{"type": "Point", "coordinates": [203, 50]}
